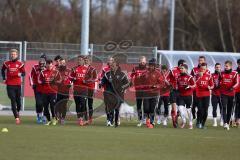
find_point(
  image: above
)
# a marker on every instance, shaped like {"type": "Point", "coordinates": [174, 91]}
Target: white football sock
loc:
{"type": "Point", "coordinates": [190, 117]}
{"type": "Point", "coordinates": [182, 113]}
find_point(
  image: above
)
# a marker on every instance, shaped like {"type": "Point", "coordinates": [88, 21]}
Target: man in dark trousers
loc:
{"type": "Point", "coordinates": [12, 71]}
{"type": "Point", "coordinates": [153, 80]}
{"type": "Point", "coordinates": [138, 83]}
{"type": "Point", "coordinates": [115, 82]}
{"type": "Point", "coordinates": [77, 76]}
{"type": "Point", "coordinates": [90, 79]}
{"type": "Point", "coordinates": [63, 91]}
{"type": "Point", "coordinates": [49, 78]}
{"type": "Point", "coordinates": [216, 95]}
{"type": "Point", "coordinates": [228, 83]}
{"type": "Point", "coordinates": [33, 78]}
{"type": "Point", "coordinates": [194, 73]}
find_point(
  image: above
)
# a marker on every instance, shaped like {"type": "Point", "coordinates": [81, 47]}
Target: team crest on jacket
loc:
{"type": "Point", "coordinates": [118, 76]}
{"type": "Point", "coordinates": [185, 79]}
{"type": "Point", "coordinates": [17, 65]}
{"type": "Point", "coordinates": [231, 76]}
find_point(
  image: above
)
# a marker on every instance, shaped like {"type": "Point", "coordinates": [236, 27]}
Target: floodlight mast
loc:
{"type": "Point", "coordinates": [171, 36]}
{"type": "Point", "coordinates": [85, 27]}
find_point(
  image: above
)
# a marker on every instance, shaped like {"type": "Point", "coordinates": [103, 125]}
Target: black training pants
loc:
{"type": "Point", "coordinates": [216, 100]}
{"type": "Point", "coordinates": [14, 94]}
{"type": "Point", "coordinates": [227, 104]}
{"type": "Point", "coordinates": [165, 100]}
{"type": "Point", "coordinates": [203, 104]}
{"type": "Point", "coordinates": [61, 105]}
{"type": "Point", "coordinates": [49, 99]}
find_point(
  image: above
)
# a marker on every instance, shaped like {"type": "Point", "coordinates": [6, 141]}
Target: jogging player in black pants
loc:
{"type": "Point", "coordinates": [137, 82]}
{"type": "Point", "coordinates": [228, 83]}
{"type": "Point", "coordinates": [12, 71]}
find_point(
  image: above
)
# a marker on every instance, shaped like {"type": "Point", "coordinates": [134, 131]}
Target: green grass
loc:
{"type": "Point", "coordinates": [31, 141]}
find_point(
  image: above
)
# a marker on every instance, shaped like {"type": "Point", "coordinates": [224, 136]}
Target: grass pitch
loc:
{"type": "Point", "coordinates": [31, 141]}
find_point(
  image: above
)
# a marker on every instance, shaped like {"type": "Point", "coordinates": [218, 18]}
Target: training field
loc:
{"type": "Point", "coordinates": [30, 141]}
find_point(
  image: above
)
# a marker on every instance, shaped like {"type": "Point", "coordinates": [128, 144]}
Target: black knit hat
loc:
{"type": "Point", "coordinates": [152, 62]}
{"type": "Point", "coordinates": [43, 56]}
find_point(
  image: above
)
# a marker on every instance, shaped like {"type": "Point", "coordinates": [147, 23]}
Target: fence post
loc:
{"type": "Point", "coordinates": [155, 52]}
{"type": "Point", "coordinates": [24, 52]}
{"type": "Point", "coordinates": [91, 49]}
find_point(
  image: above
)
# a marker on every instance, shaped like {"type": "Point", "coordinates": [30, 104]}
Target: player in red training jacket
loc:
{"type": "Point", "coordinates": [63, 91]}
{"type": "Point", "coordinates": [49, 78]}
{"type": "Point", "coordinates": [228, 83]}
{"type": "Point", "coordinates": [175, 72]}
{"type": "Point", "coordinates": [185, 85]}
{"type": "Point", "coordinates": [153, 80]}
{"type": "Point", "coordinates": [12, 71]}
{"type": "Point", "coordinates": [204, 83]}
{"type": "Point", "coordinates": [216, 95]}
{"type": "Point", "coordinates": [80, 89]}
{"type": "Point", "coordinates": [164, 96]}
{"type": "Point", "coordinates": [136, 80]}
{"type": "Point", "coordinates": [33, 78]}
{"type": "Point", "coordinates": [194, 73]}
{"type": "Point", "coordinates": [90, 80]}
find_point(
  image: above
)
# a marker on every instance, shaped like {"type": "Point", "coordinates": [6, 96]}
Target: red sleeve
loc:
{"type": "Point", "coordinates": [22, 68]}
{"type": "Point", "coordinates": [236, 81]}
{"type": "Point", "coordinates": [133, 73]}
{"type": "Point", "coordinates": [40, 78]}
{"type": "Point", "coordinates": [72, 75]}
{"type": "Point", "coordinates": [58, 78]}
{"type": "Point", "coordinates": [95, 74]}
{"type": "Point", "coordinates": [192, 82]}
{"type": "Point", "coordinates": [211, 83]}
{"type": "Point", "coordinates": [173, 80]}
{"type": "Point", "coordinates": [31, 76]}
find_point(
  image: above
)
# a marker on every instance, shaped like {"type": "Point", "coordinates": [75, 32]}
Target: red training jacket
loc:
{"type": "Point", "coordinates": [15, 69]}
{"type": "Point", "coordinates": [137, 77]}
{"type": "Point", "coordinates": [228, 82]}
{"type": "Point", "coordinates": [78, 77]}
{"type": "Point", "coordinates": [66, 82]}
{"type": "Point", "coordinates": [185, 84]}
{"type": "Point", "coordinates": [49, 79]}
{"type": "Point", "coordinates": [202, 85]}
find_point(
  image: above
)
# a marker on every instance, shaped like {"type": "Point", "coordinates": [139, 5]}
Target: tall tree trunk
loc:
{"type": "Point", "coordinates": [220, 26]}
{"type": "Point", "coordinates": [230, 26]}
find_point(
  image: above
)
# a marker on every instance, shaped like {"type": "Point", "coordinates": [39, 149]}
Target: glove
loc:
{"type": "Point", "coordinates": [99, 85]}
{"type": "Point", "coordinates": [187, 87]}
{"type": "Point", "coordinates": [34, 86]}
{"type": "Point", "coordinates": [52, 82]}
